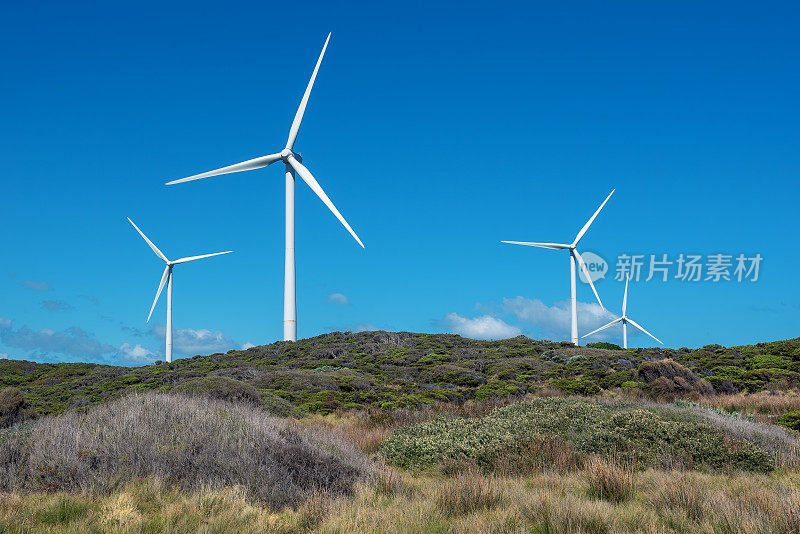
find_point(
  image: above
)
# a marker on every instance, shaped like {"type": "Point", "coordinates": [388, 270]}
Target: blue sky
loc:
{"type": "Point", "coordinates": [438, 129]}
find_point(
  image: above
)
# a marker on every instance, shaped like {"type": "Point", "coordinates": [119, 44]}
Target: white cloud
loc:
{"type": "Point", "coordinates": [136, 354]}
{"type": "Point", "coordinates": [247, 345]}
{"type": "Point", "coordinates": [555, 321]}
{"type": "Point", "coordinates": [338, 298]}
{"type": "Point", "coordinates": [190, 341]}
{"type": "Point", "coordinates": [484, 327]}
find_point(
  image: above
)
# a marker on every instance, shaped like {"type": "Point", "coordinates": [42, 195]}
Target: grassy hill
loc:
{"type": "Point", "coordinates": [403, 432]}
{"type": "Point", "coordinates": [391, 370]}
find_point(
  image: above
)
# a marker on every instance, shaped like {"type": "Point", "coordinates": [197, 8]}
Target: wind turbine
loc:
{"type": "Point", "coordinates": [574, 256]}
{"type": "Point", "coordinates": [167, 278]}
{"type": "Point", "coordinates": [624, 320]}
{"type": "Point", "coordinates": [294, 164]}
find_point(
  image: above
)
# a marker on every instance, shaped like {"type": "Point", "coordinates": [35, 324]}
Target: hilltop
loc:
{"type": "Point", "coordinates": [390, 370]}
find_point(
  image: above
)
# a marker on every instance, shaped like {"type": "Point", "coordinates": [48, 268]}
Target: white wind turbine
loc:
{"type": "Point", "coordinates": [624, 320]}
{"type": "Point", "coordinates": [167, 278]}
{"type": "Point", "coordinates": [293, 163]}
{"type": "Point", "coordinates": [574, 257]}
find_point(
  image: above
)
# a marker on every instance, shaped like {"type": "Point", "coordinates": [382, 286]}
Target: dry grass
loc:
{"type": "Point", "coordinates": [765, 406]}
{"type": "Point", "coordinates": [467, 492]}
{"type": "Point", "coordinates": [680, 493]}
{"type": "Point", "coordinates": [352, 428]}
{"type": "Point", "coordinates": [471, 502]}
{"type": "Point", "coordinates": [608, 480]}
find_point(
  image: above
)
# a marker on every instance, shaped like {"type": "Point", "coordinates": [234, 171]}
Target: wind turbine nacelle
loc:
{"type": "Point", "coordinates": [286, 152]}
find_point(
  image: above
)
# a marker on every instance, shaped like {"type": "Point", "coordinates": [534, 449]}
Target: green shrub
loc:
{"type": "Point", "coordinates": [640, 437]}
{"type": "Point", "coordinates": [571, 386]}
{"type": "Point", "coordinates": [434, 358]}
{"type": "Point", "coordinates": [790, 420]}
{"type": "Point", "coordinates": [630, 384]}
{"type": "Point", "coordinates": [277, 405]}
{"type": "Point", "coordinates": [496, 388]}
{"type": "Point", "coordinates": [766, 361]}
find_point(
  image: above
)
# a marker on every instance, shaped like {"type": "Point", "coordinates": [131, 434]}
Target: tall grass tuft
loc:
{"type": "Point", "coordinates": [469, 491]}
{"type": "Point", "coordinates": [608, 480]}
{"type": "Point", "coordinates": [682, 493]}
{"type": "Point", "coordinates": [555, 515]}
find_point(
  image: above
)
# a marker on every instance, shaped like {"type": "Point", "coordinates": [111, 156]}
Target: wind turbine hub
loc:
{"type": "Point", "coordinates": [285, 153]}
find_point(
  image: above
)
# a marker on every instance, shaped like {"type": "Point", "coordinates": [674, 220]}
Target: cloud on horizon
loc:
{"type": "Point", "coordinates": [483, 327]}
{"type": "Point", "coordinates": [136, 354]}
{"type": "Point", "coordinates": [190, 341]}
{"type": "Point", "coordinates": [73, 341]}
{"type": "Point", "coordinates": [555, 321]}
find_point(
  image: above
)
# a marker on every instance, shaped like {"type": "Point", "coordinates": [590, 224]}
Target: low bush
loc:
{"type": "Point", "coordinates": [641, 437]}
{"type": "Point", "coordinates": [221, 388]}
{"type": "Point", "coordinates": [571, 386]}
{"type": "Point", "coordinates": [277, 405]}
{"type": "Point", "coordinates": [192, 442]}
{"type": "Point", "coordinates": [13, 407]}
{"type": "Point", "coordinates": [650, 371]}
{"type": "Point", "coordinates": [790, 420]}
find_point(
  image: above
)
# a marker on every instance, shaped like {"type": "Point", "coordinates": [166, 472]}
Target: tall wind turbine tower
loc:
{"type": "Point", "coordinates": [624, 320]}
{"type": "Point", "coordinates": [293, 163]}
{"type": "Point", "coordinates": [574, 257]}
{"type": "Point", "coordinates": [167, 278]}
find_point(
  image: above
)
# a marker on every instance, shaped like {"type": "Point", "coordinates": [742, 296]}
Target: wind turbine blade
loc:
{"type": "Point", "coordinates": [625, 297]}
{"type": "Point", "coordinates": [192, 258]}
{"type": "Point", "coordinates": [152, 246]}
{"type": "Point", "coordinates": [551, 246]}
{"type": "Point", "coordinates": [612, 323]}
{"type": "Point", "coordinates": [158, 293]}
{"type": "Point", "coordinates": [591, 220]}
{"type": "Point", "coordinates": [249, 165]}
{"type": "Point", "coordinates": [305, 174]}
{"type": "Point", "coordinates": [634, 323]}
{"type": "Point", "coordinates": [588, 277]}
{"type": "Point", "coordinates": [298, 118]}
